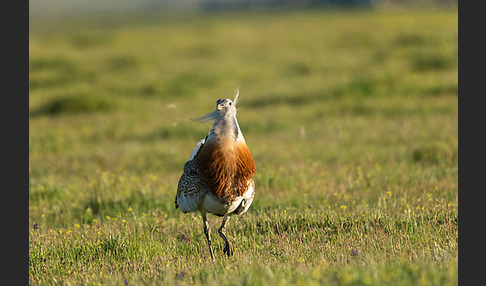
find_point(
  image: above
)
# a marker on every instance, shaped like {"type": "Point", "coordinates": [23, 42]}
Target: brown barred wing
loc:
{"type": "Point", "coordinates": [190, 192]}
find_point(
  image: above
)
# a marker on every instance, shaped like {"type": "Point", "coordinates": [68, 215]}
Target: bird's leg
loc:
{"type": "Point", "coordinates": [228, 247]}
{"type": "Point", "coordinates": [207, 232]}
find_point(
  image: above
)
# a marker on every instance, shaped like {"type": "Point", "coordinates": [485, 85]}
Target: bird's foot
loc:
{"type": "Point", "coordinates": [228, 249]}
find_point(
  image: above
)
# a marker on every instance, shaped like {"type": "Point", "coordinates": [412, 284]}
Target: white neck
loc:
{"type": "Point", "coordinates": [226, 128]}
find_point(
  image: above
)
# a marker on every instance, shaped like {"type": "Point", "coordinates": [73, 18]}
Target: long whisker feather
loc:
{"type": "Point", "coordinates": [237, 93]}
{"type": "Point", "coordinates": [208, 117]}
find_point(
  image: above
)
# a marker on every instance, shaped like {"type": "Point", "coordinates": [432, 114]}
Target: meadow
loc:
{"type": "Point", "coordinates": [351, 117]}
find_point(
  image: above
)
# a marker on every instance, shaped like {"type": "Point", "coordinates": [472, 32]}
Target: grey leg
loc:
{"type": "Point", "coordinates": [207, 232]}
{"type": "Point", "coordinates": [228, 248]}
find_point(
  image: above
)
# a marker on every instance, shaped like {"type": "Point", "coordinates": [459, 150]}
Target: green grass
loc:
{"type": "Point", "coordinates": [351, 118]}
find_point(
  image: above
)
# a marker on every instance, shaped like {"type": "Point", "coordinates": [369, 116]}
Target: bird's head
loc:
{"type": "Point", "coordinates": [224, 108]}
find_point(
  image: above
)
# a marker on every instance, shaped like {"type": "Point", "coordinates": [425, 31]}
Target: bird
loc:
{"type": "Point", "coordinates": [218, 176]}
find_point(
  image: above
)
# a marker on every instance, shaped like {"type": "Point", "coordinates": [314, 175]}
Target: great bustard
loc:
{"type": "Point", "coordinates": [217, 178]}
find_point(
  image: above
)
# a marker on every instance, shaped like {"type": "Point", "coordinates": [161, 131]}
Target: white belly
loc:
{"type": "Point", "coordinates": [191, 203]}
{"type": "Point", "coordinates": [212, 204]}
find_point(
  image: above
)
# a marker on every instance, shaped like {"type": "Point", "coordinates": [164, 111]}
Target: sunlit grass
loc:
{"type": "Point", "coordinates": [351, 118]}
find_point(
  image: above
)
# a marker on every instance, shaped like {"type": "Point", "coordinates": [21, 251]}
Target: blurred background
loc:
{"type": "Point", "coordinates": [328, 89]}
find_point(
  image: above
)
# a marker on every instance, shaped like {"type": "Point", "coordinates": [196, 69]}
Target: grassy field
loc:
{"type": "Point", "coordinates": [351, 117]}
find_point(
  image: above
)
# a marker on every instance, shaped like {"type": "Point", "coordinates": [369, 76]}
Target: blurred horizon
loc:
{"type": "Point", "coordinates": [41, 8]}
